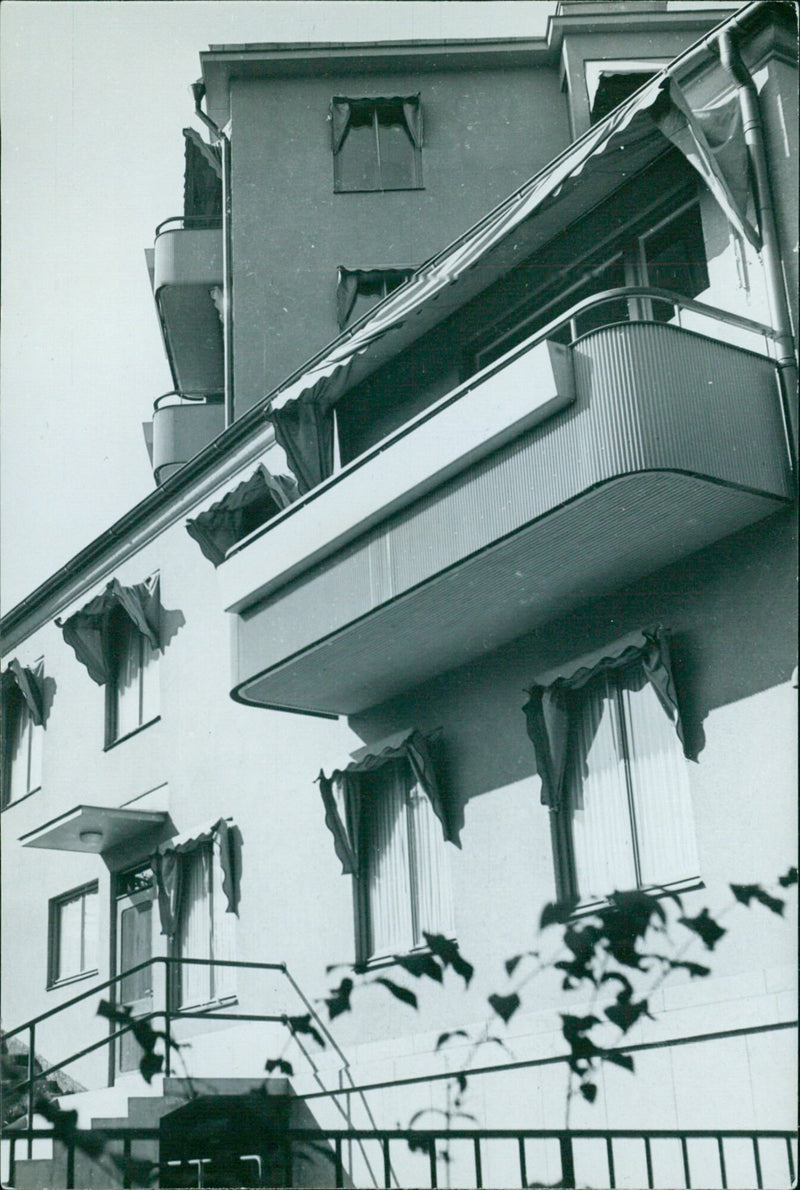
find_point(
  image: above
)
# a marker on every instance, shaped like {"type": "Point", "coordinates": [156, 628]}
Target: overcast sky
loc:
{"type": "Point", "coordinates": [94, 96]}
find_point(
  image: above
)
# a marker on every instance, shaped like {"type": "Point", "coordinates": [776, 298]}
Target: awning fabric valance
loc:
{"type": "Point", "coordinates": [342, 110]}
{"type": "Point", "coordinates": [29, 683]}
{"type": "Point", "coordinates": [351, 279]}
{"type": "Point", "coordinates": [168, 868]}
{"type": "Point", "coordinates": [341, 791]}
{"type": "Point", "coordinates": [250, 504]}
{"type": "Point", "coordinates": [202, 179]}
{"type": "Point", "coordinates": [548, 710]}
{"type": "Point", "coordinates": [87, 630]}
{"type": "Point", "coordinates": [710, 138]}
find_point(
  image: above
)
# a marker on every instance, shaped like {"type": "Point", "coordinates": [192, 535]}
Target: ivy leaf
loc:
{"type": "Point", "coordinates": [705, 927]}
{"type": "Point", "coordinates": [302, 1024]}
{"type": "Point", "coordinates": [754, 892]}
{"type": "Point", "coordinates": [150, 1064]}
{"type": "Point", "coordinates": [339, 999]}
{"type": "Point", "coordinates": [461, 1079]}
{"type": "Point", "coordinates": [443, 1038]}
{"type": "Point", "coordinates": [512, 964]}
{"type": "Point", "coordinates": [589, 1092]}
{"type": "Point", "coordinates": [623, 1060]}
{"type": "Point", "coordinates": [556, 913]}
{"type": "Point", "coordinates": [398, 991]}
{"type": "Point", "coordinates": [505, 1006]}
{"type": "Point", "coordinates": [450, 955]}
{"type": "Point", "coordinates": [625, 1013]}
{"type": "Point", "coordinates": [627, 987]}
{"type": "Point", "coordinates": [789, 879]}
{"type": "Point", "coordinates": [420, 964]}
{"type": "Point", "coordinates": [279, 1064]}
{"type": "Point", "coordinates": [696, 970]}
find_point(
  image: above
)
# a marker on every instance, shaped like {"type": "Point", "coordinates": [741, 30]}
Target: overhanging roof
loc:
{"type": "Point", "coordinates": [94, 830]}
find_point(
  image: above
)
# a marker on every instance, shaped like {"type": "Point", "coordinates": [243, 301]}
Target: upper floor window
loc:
{"type": "Point", "coordinates": [358, 290]}
{"type": "Point", "coordinates": [132, 694]}
{"type": "Point", "coordinates": [23, 731]}
{"type": "Point", "coordinates": [614, 775]}
{"type": "Point", "coordinates": [377, 143]}
{"type": "Point", "coordinates": [73, 934]}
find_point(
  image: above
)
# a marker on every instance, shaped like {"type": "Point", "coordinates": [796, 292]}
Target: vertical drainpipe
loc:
{"type": "Point", "coordinates": [199, 90]}
{"type": "Point", "coordinates": [733, 63]}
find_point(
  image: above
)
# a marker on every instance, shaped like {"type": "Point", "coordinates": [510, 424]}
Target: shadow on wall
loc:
{"type": "Point", "coordinates": [731, 613]}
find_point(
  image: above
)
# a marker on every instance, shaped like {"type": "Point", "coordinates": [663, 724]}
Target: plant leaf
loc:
{"type": "Point", "coordinates": [789, 879]}
{"type": "Point", "coordinates": [512, 964]}
{"type": "Point", "coordinates": [339, 999]}
{"type": "Point", "coordinates": [450, 955]}
{"type": "Point", "coordinates": [302, 1024]}
{"type": "Point", "coordinates": [754, 892]}
{"type": "Point", "coordinates": [443, 1038]}
{"type": "Point", "coordinates": [556, 913]}
{"type": "Point", "coordinates": [589, 1092]}
{"type": "Point", "coordinates": [505, 1006]}
{"type": "Point", "coordinates": [279, 1064]}
{"type": "Point", "coordinates": [420, 964]}
{"type": "Point", "coordinates": [705, 927]}
{"type": "Point", "coordinates": [623, 1060]}
{"type": "Point", "coordinates": [398, 991]}
{"type": "Point", "coordinates": [624, 1014]}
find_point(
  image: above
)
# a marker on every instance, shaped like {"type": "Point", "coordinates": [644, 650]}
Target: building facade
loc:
{"type": "Point", "coordinates": [467, 585]}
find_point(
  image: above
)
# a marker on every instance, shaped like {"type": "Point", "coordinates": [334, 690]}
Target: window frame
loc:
{"type": "Point", "coordinates": [216, 997]}
{"type": "Point", "coordinates": [112, 689]}
{"type": "Point", "coordinates": [54, 906]}
{"type": "Point", "coordinates": [19, 708]}
{"type": "Point", "coordinates": [562, 828]}
{"type": "Point", "coordinates": [378, 104]}
{"type": "Point", "coordinates": [367, 953]}
{"type": "Point", "coordinates": [526, 318]}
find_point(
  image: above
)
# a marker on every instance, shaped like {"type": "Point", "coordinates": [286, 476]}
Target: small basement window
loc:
{"type": "Point", "coordinates": [377, 144]}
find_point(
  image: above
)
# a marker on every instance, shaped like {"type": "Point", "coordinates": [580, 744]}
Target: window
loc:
{"type": "Point", "coordinates": [23, 732]}
{"type": "Point", "coordinates": [376, 144]}
{"type": "Point", "coordinates": [205, 929]}
{"type": "Point", "coordinates": [670, 255]}
{"type": "Point", "coordinates": [73, 935]}
{"type": "Point", "coordinates": [358, 290]}
{"type": "Point", "coordinates": [628, 820]}
{"type": "Point", "coordinates": [403, 888]}
{"type": "Point", "coordinates": [132, 693]}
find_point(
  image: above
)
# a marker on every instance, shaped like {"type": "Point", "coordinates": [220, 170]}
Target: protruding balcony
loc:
{"type": "Point", "coordinates": [522, 494]}
{"type": "Point", "coordinates": [188, 288]}
{"type": "Point", "coordinates": [180, 429]}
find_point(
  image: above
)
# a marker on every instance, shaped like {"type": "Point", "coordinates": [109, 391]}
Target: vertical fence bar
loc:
{"type": "Point", "coordinates": [790, 1159]}
{"type": "Point", "coordinates": [685, 1154]}
{"type": "Point", "coordinates": [476, 1140]}
{"type": "Point", "coordinates": [387, 1165]}
{"type": "Point", "coordinates": [722, 1171]}
{"type": "Point", "coordinates": [70, 1179]}
{"type": "Point", "coordinates": [12, 1161]}
{"type": "Point", "coordinates": [126, 1162]}
{"type": "Point", "coordinates": [167, 1018]}
{"type": "Point", "coordinates": [432, 1159]}
{"type": "Point", "coordinates": [339, 1171]}
{"type": "Point", "coordinates": [523, 1171]}
{"type": "Point", "coordinates": [288, 1162]}
{"type": "Point", "coordinates": [567, 1162]}
{"type": "Point", "coordinates": [648, 1156]}
{"type": "Point", "coordinates": [757, 1159]}
{"type": "Point", "coordinates": [610, 1158]}
{"type": "Point", "coordinates": [31, 1074]}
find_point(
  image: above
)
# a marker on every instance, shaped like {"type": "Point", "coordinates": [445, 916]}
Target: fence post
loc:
{"type": "Point", "coordinates": [31, 1075]}
{"type": "Point", "coordinates": [567, 1162]}
{"type": "Point", "coordinates": [167, 1019]}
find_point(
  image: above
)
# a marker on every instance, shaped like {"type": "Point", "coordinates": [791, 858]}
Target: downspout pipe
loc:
{"type": "Point", "coordinates": [198, 91]}
{"type": "Point", "coordinates": [733, 63]}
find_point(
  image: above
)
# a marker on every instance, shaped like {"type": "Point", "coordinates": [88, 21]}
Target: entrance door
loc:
{"type": "Point", "coordinates": [135, 900]}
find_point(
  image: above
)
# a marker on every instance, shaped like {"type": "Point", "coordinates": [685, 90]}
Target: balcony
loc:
{"type": "Point", "coordinates": [180, 429]}
{"type": "Point", "coordinates": [187, 284]}
{"type": "Point", "coordinates": [556, 475]}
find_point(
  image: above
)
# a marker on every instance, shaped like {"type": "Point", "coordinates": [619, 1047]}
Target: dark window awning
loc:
{"type": "Point", "coordinates": [87, 630]}
{"type": "Point", "coordinates": [28, 682]}
{"type": "Point", "coordinates": [202, 181]}
{"type": "Point", "coordinates": [548, 709]}
{"type": "Point", "coordinates": [341, 790]}
{"type": "Point", "coordinates": [631, 137]}
{"type": "Point", "coordinates": [168, 867]}
{"type": "Point", "coordinates": [249, 505]}
{"type": "Point", "coordinates": [342, 110]}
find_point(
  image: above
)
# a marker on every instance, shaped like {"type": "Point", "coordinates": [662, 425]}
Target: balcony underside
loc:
{"type": "Point", "coordinates": [187, 274]}
{"type": "Point", "coordinates": [673, 442]}
{"type": "Point", "coordinates": [593, 545]}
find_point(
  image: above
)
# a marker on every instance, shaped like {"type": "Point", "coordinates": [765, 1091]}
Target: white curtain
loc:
{"type": "Point", "coordinates": [70, 929]}
{"type": "Point", "coordinates": [18, 745]}
{"type": "Point", "coordinates": [136, 686]}
{"type": "Point", "coordinates": [660, 782]}
{"type": "Point", "coordinates": [194, 929]}
{"type": "Point", "coordinates": [223, 933]}
{"type": "Point", "coordinates": [434, 901]}
{"type": "Point", "coordinates": [386, 861]}
{"type": "Point", "coordinates": [598, 796]}
{"type": "Point", "coordinates": [150, 702]}
{"type": "Point", "coordinates": [90, 901]}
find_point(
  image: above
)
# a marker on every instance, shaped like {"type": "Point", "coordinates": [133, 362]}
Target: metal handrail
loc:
{"type": "Point", "coordinates": [187, 222]}
{"type": "Point", "coordinates": [212, 398]}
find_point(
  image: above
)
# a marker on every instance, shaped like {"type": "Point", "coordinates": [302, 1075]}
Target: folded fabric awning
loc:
{"type": "Point", "coordinates": [548, 710]}
{"type": "Point", "coordinates": [341, 791]}
{"type": "Point", "coordinates": [616, 148]}
{"type": "Point", "coordinates": [342, 110]}
{"type": "Point", "coordinates": [202, 179]}
{"type": "Point", "coordinates": [87, 630]}
{"type": "Point", "coordinates": [249, 505]}
{"type": "Point", "coordinates": [167, 864]}
{"type": "Point", "coordinates": [29, 682]}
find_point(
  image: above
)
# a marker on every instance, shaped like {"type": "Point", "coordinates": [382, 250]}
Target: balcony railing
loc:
{"type": "Point", "coordinates": [183, 425]}
{"type": "Point", "coordinates": [187, 284]}
{"type": "Point", "coordinates": [525, 491]}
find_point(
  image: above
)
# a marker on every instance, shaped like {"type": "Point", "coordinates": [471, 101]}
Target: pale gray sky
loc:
{"type": "Point", "coordinates": [94, 96]}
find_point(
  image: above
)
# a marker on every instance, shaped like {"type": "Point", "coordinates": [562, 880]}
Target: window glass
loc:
{"type": "Point", "coordinates": [133, 694]}
{"type": "Point", "coordinates": [17, 745]}
{"type": "Point", "coordinates": [205, 929]}
{"type": "Point", "coordinates": [397, 155]}
{"type": "Point", "coordinates": [357, 160]}
{"type": "Point", "coordinates": [73, 940]}
{"type": "Point", "coordinates": [377, 151]}
{"type": "Point", "coordinates": [674, 258]}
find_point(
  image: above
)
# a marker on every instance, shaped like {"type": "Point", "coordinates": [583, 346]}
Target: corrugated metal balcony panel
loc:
{"type": "Point", "coordinates": [650, 398]}
{"type": "Point", "coordinates": [182, 431]}
{"type": "Point", "coordinates": [187, 268]}
{"type": "Point", "coordinates": [188, 256]}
